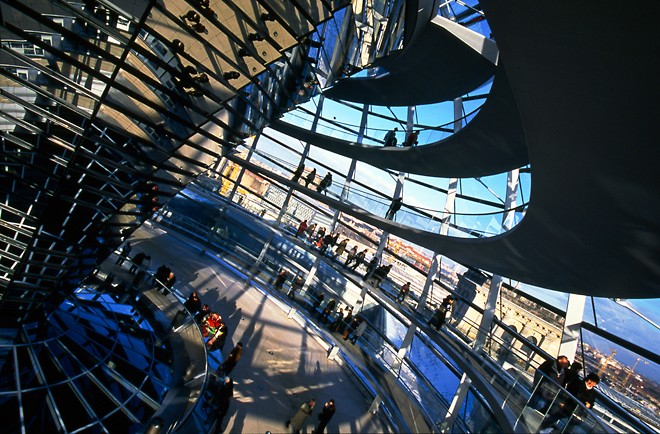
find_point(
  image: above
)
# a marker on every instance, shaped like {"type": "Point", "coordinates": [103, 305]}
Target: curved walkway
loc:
{"type": "Point", "coordinates": [587, 97]}
{"type": "Point", "coordinates": [525, 253]}
{"type": "Point", "coordinates": [445, 62]}
{"type": "Point", "coordinates": [493, 142]}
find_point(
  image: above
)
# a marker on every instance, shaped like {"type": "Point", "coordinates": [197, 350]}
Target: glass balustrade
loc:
{"type": "Point", "coordinates": [508, 359]}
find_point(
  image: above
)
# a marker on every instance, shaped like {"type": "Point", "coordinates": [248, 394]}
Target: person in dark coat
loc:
{"type": "Point", "coordinates": [440, 316]}
{"type": "Point", "coordinates": [554, 370]}
{"type": "Point", "coordinates": [329, 308]}
{"type": "Point", "coordinates": [573, 373]}
{"type": "Point", "coordinates": [325, 183]}
{"type": "Point", "coordinates": [298, 173]}
{"type": "Point", "coordinates": [350, 256]}
{"type": "Point", "coordinates": [583, 392]}
{"type": "Point", "coordinates": [390, 137]}
{"type": "Point", "coordinates": [319, 235]}
{"type": "Point", "coordinates": [317, 301]}
{"type": "Point", "coordinates": [395, 206]}
{"type": "Point", "coordinates": [138, 259]}
{"type": "Point", "coordinates": [169, 283]}
{"type": "Point", "coordinates": [232, 359]}
{"type": "Point", "coordinates": [327, 241]}
{"type": "Point", "coordinates": [547, 386]}
{"type": "Point", "coordinates": [337, 319]}
{"type": "Point", "coordinates": [192, 306]}
{"type": "Point", "coordinates": [224, 397]}
{"type": "Point", "coordinates": [161, 274]}
{"type": "Point", "coordinates": [348, 319]}
{"type": "Point", "coordinates": [381, 273]}
{"type": "Point", "coordinates": [311, 176]}
{"type": "Point", "coordinates": [281, 278]}
{"type": "Point", "coordinates": [326, 414]}
{"type": "Point", "coordinates": [359, 259]}
{"type": "Point", "coordinates": [371, 267]}
{"type": "Point", "coordinates": [123, 253]}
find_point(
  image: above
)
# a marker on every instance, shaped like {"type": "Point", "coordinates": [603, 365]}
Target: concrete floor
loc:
{"type": "Point", "coordinates": [284, 362]}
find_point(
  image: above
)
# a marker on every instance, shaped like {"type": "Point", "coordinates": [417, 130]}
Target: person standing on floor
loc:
{"type": "Point", "coordinates": [298, 173]}
{"type": "Point", "coordinates": [329, 308]}
{"type": "Point", "coordinates": [359, 330]}
{"type": "Point", "coordinates": [123, 253]}
{"type": "Point", "coordinates": [395, 206]}
{"type": "Point", "coordinates": [337, 319]}
{"type": "Point", "coordinates": [548, 377]}
{"type": "Point", "coordinates": [311, 177]}
{"type": "Point", "coordinates": [281, 278]}
{"type": "Point", "coordinates": [169, 283]}
{"type": "Point", "coordinates": [298, 420]}
{"type": "Point", "coordinates": [301, 229]}
{"type": "Point", "coordinates": [371, 267]}
{"type": "Point", "coordinates": [311, 230]}
{"type": "Point", "coordinates": [192, 306]}
{"type": "Point", "coordinates": [390, 137]}
{"type": "Point", "coordinates": [138, 259]}
{"type": "Point", "coordinates": [297, 285]}
{"type": "Point", "coordinates": [225, 395]}
{"type": "Point", "coordinates": [348, 319]}
{"type": "Point", "coordinates": [359, 259]}
{"type": "Point", "coordinates": [341, 248]}
{"type": "Point", "coordinates": [403, 292]}
{"type": "Point", "coordinates": [160, 276]}
{"type": "Point", "coordinates": [232, 359]}
{"type": "Point", "coordinates": [326, 414]}
{"type": "Point", "coordinates": [325, 183]}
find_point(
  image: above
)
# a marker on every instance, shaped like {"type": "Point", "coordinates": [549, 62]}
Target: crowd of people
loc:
{"type": "Point", "coordinates": [329, 244]}
{"type": "Point", "coordinates": [310, 178]}
{"type": "Point", "coordinates": [220, 388]}
{"type": "Point", "coordinates": [214, 329]}
{"type": "Point", "coordinates": [339, 319]}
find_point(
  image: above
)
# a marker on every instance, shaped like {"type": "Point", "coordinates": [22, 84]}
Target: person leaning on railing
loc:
{"type": "Point", "coordinates": [554, 370]}
{"type": "Point", "coordinates": [583, 391]}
